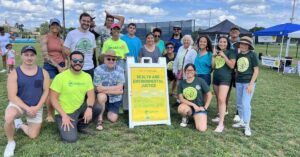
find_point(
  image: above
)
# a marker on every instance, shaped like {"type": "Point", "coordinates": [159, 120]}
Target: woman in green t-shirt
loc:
{"type": "Point", "coordinates": [247, 72]}
{"type": "Point", "coordinates": [195, 98]}
{"type": "Point", "coordinates": [223, 62]}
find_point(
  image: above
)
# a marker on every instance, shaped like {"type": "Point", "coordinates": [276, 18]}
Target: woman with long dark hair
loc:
{"type": "Point", "coordinates": [223, 62]}
{"type": "Point", "coordinates": [204, 58]}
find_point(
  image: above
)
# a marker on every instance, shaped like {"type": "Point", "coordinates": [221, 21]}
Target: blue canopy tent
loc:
{"type": "Point", "coordinates": [279, 30]}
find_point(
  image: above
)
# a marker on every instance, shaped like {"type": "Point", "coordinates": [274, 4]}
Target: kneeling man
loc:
{"type": "Point", "coordinates": [67, 95]}
{"type": "Point", "coordinates": [109, 80]}
{"type": "Point", "coordinates": [27, 90]}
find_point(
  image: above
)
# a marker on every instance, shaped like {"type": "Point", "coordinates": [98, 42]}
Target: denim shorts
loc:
{"type": "Point", "coordinates": [205, 77]}
{"type": "Point", "coordinates": [114, 107]}
{"type": "Point", "coordinates": [199, 112]}
{"type": "Point", "coordinates": [52, 70]}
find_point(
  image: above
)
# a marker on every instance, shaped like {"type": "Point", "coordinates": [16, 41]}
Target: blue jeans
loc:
{"type": "Point", "coordinates": [243, 99]}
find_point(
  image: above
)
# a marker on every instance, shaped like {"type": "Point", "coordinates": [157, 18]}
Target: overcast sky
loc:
{"type": "Point", "coordinates": [245, 13]}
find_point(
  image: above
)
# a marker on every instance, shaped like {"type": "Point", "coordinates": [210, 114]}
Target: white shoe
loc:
{"type": "Point", "coordinates": [18, 123]}
{"type": "Point", "coordinates": [3, 71]}
{"type": "Point", "coordinates": [226, 113]}
{"type": "Point", "coordinates": [236, 118]}
{"type": "Point", "coordinates": [184, 121]}
{"type": "Point", "coordinates": [216, 120]}
{"type": "Point", "coordinates": [10, 149]}
{"type": "Point", "coordinates": [247, 131]}
{"type": "Point", "coordinates": [219, 129]}
{"type": "Point", "coordinates": [239, 124]}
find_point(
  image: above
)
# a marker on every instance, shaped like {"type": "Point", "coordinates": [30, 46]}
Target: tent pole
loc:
{"type": "Point", "coordinates": [280, 51]}
{"type": "Point", "coordinates": [287, 47]}
{"type": "Point", "coordinates": [267, 48]}
{"type": "Point", "coordinates": [297, 49]}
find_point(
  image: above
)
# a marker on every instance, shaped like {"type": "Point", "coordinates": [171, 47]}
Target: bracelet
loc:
{"type": "Point", "coordinates": [90, 107]}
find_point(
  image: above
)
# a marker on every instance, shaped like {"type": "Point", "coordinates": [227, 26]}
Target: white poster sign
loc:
{"type": "Point", "coordinates": [267, 39]}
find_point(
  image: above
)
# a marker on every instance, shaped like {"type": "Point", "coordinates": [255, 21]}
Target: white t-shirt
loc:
{"type": "Point", "coordinates": [83, 42]}
{"type": "Point", "coordinates": [104, 33]}
{"type": "Point", "coordinates": [4, 40]}
{"type": "Point", "coordinates": [10, 53]}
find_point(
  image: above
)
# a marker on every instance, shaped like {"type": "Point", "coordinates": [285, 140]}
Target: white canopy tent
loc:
{"type": "Point", "coordinates": [294, 34]}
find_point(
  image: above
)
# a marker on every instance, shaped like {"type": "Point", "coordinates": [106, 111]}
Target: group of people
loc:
{"type": "Point", "coordinates": [77, 91]}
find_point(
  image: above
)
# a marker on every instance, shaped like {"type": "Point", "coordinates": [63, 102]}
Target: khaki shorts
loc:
{"type": "Point", "coordinates": [37, 119]}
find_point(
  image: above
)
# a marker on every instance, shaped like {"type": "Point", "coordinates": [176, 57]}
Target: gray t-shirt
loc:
{"type": "Point", "coordinates": [154, 55]}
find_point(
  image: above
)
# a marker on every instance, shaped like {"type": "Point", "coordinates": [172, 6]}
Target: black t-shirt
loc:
{"type": "Point", "coordinates": [222, 71]}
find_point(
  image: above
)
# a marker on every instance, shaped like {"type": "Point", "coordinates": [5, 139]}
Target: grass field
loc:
{"type": "Point", "coordinates": [275, 126]}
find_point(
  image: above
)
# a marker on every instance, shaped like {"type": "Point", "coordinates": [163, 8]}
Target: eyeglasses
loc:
{"type": "Point", "coordinates": [157, 36]}
{"type": "Point", "coordinates": [77, 61]}
{"type": "Point", "coordinates": [111, 59]}
{"type": "Point", "coordinates": [190, 70]}
{"type": "Point", "coordinates": [170, 47]}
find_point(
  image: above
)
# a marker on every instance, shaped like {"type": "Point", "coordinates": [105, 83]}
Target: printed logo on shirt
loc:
{"type": "Point", "coordinates": [170, 65]}
{"type": "Point", "coordinates": [198, 87]}
{"type": "Point", "coordinates": [84, 45]}
{"type": "Point", "coordinates": [242, 64]}
{"type": "Point", "coordinates": [220, 62]}
{"type": "Point", "coordinates": [190, 93]}
{"type": "Point", "coordinates": [72, 84]}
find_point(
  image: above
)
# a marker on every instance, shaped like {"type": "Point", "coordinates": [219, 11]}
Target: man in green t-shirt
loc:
{"type": "Point", "coordinates": [68, 91]}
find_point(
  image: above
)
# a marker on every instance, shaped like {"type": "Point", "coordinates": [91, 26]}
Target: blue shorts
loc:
{"type": "Point", "coordinates": [52, 70]}
{"type": "Point", "coordinates": [114, 107]}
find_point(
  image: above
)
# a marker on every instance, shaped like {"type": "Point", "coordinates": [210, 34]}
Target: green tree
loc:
{"type": "Point", "coordinates": [44, 28]}
{"type": "Point", "coordinates": [254, 29]}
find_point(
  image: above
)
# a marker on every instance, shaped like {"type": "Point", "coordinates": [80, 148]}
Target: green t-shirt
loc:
{"type": "Point", "coordinates": [72, 89]}
{"type": "Point", "coordinates": [245, 66]}
{"type": "Point", "coordinates": [194, 91]}
{"type": "Point", "coordinates": [161, 46]}
{"type": "Point", "coordinates": [222, 71]}
{"type": "Point", "coordinates": [119, 46]}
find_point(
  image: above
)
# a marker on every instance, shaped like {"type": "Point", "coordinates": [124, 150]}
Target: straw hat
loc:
{"type": "Point", "coordinates": [245, 40]}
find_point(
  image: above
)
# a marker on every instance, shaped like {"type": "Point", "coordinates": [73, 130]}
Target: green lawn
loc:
{"type": "Point", "coordinates": [275, 125]}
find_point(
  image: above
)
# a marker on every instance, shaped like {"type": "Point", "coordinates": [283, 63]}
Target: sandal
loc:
{"type": "Point", "coordinates": [50, 119]}
{"type": "Point", "coordinates": [99, 125]}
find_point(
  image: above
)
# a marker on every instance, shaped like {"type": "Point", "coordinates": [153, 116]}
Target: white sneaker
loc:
{"type": "Point", "coordinates": [236, 118]}
{"type": "Point", "coordinates": [239, 124]}
{"type": "Point", "coordinates": [248, 131]}
{"type": "Point", "coordinates": [10, 149]}
{"type": "Point", "coordinates": [219, 129]}
{"type": "Point", "coordinates": [184, 121]}
{"type": "Point", "coordinates": [3, 71]}
{"type": "Point", "coordinates": [18, 123]}
{"type": "Point", "coordinates": [215, 120]}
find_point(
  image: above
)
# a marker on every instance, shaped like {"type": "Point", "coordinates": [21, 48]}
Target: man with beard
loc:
{"type": "Point", "coordinates": [67, 94]}
{"type": "Point", "coordinates": [176, 38]}
{"type": "Point", "coordinates": [81, 39]}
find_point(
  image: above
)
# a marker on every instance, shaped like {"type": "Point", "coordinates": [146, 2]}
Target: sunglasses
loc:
{"type": "Point", "coordinates": [111, 59]}
{"type": "Point", "coordinates": [77, 61]}
{"type": "Point", "coordinates": [157, 36]}
{"type": "Point", "coordinates": [176, 29]}
{"type": "Point", "coordinates": [170, 47]}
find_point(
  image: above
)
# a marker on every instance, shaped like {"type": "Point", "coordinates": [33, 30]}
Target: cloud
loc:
{"type": "Point", "coordinates": [250, 9]}
{"type": "Point", "coordinates": [23, 5]}
{"type": "Point", "coordinates": [128, 8]}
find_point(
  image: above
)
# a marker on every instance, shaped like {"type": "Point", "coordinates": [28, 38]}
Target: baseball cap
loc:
{"type": "Point", "coordinates": [115, 25]}
{"type": "Point", "coordinates": [28, 48]}
{"type": "Point", "coordinates": [54, 20]}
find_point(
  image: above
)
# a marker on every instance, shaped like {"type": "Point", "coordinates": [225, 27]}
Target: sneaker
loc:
{"type": "Point", "coordinates": [3, 71]}
{"type": "Point", "coordinates": [216, 120]}
{"type": "Point", "coordinates": [236, 118]}
{"type": "Point", "coordinates": [219, 129]}
{"type": "Point", "coordinates": [10, 149]}
{"type": "Point", "coordinates": [184, 121]}
{"type": "Point", "coordinates": [247, 131]}
{"type": "Point", "coordinates": [18, 123]}
{"type": "Point", "coordinates": [239, 124]}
